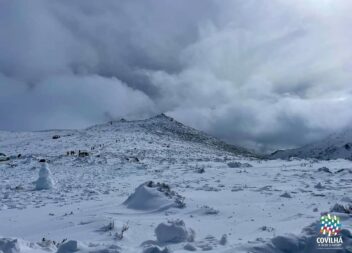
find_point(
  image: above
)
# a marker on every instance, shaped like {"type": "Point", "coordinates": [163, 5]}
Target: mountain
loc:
{"type": "Point", "coordinates": [335, 146]}
{"type": "Point", "coordinates": [160, 134]}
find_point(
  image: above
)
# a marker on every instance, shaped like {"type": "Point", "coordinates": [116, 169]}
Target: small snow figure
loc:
{"type": "Point", "coordinates": [45, 181]}
{"type": "Point", "coordinates": [223, 240]}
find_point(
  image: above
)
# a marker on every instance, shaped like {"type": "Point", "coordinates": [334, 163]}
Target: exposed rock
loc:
{"type": "Point", "coordinates": [324, 169]}
{"type": "Point", "coordinates": [239, 165]}
{"type": "Point", "coordinates": [286, 195]}
{"type": "Point", "coordinates": [55, 137]}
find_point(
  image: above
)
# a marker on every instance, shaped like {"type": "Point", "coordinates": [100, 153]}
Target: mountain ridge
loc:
{"type": "Point", "coordinates": [158, 134]}
{"type": "Point", "coordinates": [334, 146]}
{"type": "Point", "coordinates": [162, 124]}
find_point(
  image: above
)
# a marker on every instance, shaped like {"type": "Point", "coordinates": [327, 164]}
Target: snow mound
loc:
{"type": "Point", "coordinates": [79, 247]}
{"type": "Point", "coordinates": [154, 196]}
{"type": "Point", "coordinates": [68, 247]}
{"type": "Point", "coordinates": [14, 245]}
{"type": "Point", "coordinates": [189, 247]}
{"type": "Point", "coordinates": [174, 232]}
{"type": "Point", "coordinates": [155, 249]}
{"type": "Point", "coordinates": [45, 181]}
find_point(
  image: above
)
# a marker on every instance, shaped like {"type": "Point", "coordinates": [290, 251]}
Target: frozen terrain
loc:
{"type": "Point", "coordinates": [158, 186]}
{"type": "Point", "coordinates": [335, 146]}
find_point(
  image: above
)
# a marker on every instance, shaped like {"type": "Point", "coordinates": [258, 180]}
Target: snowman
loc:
{"type": "Point", "coordinates": [45, 180]}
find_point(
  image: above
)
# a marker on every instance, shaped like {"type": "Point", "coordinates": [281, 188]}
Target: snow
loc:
{"type": "Point", "coordinates": [68, 247]}
{"type": "Point", "coordinates": [173, 232]}
{"type": "Point", "coordinates": [155, 249]}
{"type": "Point", "coordinates": [229, 209]}
{"type": "Point", "coordinates": [15, 245]}
{"type": "Point", "coordinates": [45, 180]}
{"type": "Point", "coordinates": [335, 146]}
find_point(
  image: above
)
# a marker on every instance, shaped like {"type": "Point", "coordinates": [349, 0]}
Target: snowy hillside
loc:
{"type": "Point", "coordinates": [160, 134]}
{"type": "Point", "coordinates": [156, 185]}
{"type": "Point", "coordinates": [338, 145]}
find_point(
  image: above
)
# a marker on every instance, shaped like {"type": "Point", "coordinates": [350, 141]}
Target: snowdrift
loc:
{"type": "Point", "coordinates": [152, 196]}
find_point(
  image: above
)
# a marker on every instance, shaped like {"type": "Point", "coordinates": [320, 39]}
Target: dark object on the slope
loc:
{"type": "Point", "coordinates": [324, 169]}
{"type": "Point", "coordinates": [132, 159]}
{"type": "Point", "coordinates": [83, 153]}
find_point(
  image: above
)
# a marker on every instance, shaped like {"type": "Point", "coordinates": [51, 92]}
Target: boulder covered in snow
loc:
{"type": "Point", "coordinates": [174, 232]}
{"type": "Point", "coordinates": [155, 249]}
{"type": "Point", "coordinates": [45, 180]}
{"type": "Point", "coordinates": [68, 247]}
{"type": "Point", "coordinates": [154, 196]}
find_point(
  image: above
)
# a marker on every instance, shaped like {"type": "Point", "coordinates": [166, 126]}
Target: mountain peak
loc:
{"type": "Point", "coordinates": [162, 116]}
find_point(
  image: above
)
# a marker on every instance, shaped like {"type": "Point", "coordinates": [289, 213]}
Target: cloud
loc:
{"type": "Point", "coordinates": [256, 73]}
{"type": "Point", "coordinates": [68, 100]}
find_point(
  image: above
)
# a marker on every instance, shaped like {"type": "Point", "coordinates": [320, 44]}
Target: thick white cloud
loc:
{"type": "Point", "coordinates": [67, 100]}
{"type": "Point", "coordinates": [265, 74]}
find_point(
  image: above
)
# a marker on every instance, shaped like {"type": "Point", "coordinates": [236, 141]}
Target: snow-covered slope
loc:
{"type": "Point", "coordinates": [160, 134]}
{"type": "Point", "coordinates": [156, 185]}
{"type": "Point", "coordinates": [335, 146]}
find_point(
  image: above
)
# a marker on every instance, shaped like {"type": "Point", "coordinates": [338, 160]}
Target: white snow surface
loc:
{"type": "Point", "coordinates": [88, 208]}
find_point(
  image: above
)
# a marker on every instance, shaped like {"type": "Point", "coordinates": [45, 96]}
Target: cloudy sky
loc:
{"type": "Point", "coordinates": [264, 74]}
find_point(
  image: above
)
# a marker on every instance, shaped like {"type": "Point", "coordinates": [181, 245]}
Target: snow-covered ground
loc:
{"type": "Point", "coordinates": [158, 186]}
{"type": "Point", "coordinates": [335, 146]}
